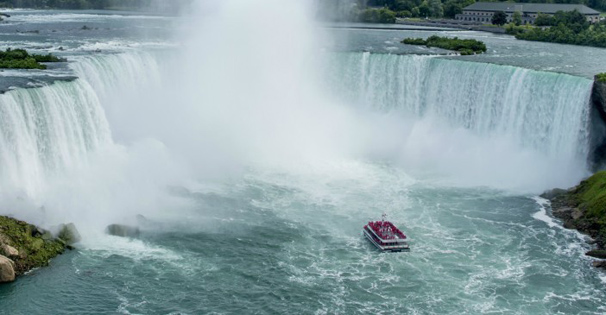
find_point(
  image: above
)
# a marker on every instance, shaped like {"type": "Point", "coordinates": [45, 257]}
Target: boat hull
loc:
{"type": "Point", "coordinates": [399, 246]}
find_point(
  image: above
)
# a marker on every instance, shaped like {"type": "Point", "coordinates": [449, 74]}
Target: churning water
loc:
{"type": "Point", "coordinates": [257, 156]}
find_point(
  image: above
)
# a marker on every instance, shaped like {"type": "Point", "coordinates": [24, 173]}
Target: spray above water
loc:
{"type": "Point", "coordinates": [244, 92]}
{"type": "Point", "coordinates": [240, 93]}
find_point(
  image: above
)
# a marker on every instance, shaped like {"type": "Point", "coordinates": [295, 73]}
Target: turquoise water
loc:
{"type": "Point", "coordinates": [282, 233]}
{"type": "Point", "coordinates": [274, 247]}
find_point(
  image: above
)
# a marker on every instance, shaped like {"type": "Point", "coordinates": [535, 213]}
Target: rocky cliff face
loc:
{"type": "Point", "coordinates": [597, 156]}
{"type": "Point", "coordinates": [598, 97]}
{"type": "Point", "coordinates": [584, 208]}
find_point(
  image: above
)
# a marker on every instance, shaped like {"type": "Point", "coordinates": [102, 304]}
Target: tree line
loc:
{"type": "Point", "coordinates": [386, 11]}
{"type": "Point", "coordinates": [564, 28]}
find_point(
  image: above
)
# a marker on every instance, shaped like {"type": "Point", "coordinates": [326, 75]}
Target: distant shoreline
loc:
{"type": "Point", "coordinates": [428, 25]}
{"type": "Point", "coordinates": [452, 24]}
{"type": "Point", "coordinates": [386, 27]}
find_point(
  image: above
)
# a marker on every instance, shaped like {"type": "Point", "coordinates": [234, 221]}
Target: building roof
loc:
{"type": "Point", "coordinates": [548, 8]}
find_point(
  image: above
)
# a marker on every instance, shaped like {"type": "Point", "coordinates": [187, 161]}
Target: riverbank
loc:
{"type": "Point", "coordinates": [388, 27]}
{"type": "Point", "coordinates": [453, 24]}
{"type": "Point", "coordinates": [583, 208]}
{"type": "Point", "coordinates": [24, 246]}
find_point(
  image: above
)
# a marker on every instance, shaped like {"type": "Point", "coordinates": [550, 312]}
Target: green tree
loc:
{"type": "Point", "coordinates": [499, 18]}
{"type": "Point", "coordinates": [382, 15]}
{"type": "Point", "coordinates": [387, 16]}
{"type": "Point", "coordinates": [574, 20]}
{"type": "Point", "coordinates": [404, 14]}
{"type": "Point", "coordinates": [424, 10]}
{"type": "Point", "coordinates": [568, 28]}
{"type": "Point", "coordinates": [415, 12]}
{"type": "Point", "coordinates": [435, 8]}
{"type": "Point", "coordinates": [402, 5]}
{"type": "Point", "coordinates": [452, 8]}
{"type": "Point", "coordinates": [543, 20]}
{"type": "Point", "coordinates": [517, 18]}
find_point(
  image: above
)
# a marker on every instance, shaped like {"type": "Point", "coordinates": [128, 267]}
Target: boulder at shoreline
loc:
{"type": "Point", "coordinates": [24, 247]}
{"type": "Point", "coordinates": [122, 230]}
{"type": "Point", "coordinates": [7, 270]}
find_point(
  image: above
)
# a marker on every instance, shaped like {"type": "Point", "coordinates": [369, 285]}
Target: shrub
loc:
{"type": "Point", "coordinates": [404, 14]}
{"type": "Point", "coordinates": [377, 16]}
{"type": "Point", "coordinates": [21, 59]}
{"type": "Point", "coordinates": [463, 46]}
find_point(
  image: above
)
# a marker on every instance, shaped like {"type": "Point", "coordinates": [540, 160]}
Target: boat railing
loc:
{"type": "Point", "coordinates": [385, 230]}
{"type": "Point", "coordinates": [384, 240]}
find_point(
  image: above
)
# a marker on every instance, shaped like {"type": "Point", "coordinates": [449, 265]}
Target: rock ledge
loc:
{"type": "Point", "coordinates": [24, 247]}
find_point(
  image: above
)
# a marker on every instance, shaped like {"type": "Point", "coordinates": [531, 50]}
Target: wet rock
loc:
{"type": "Point", "coordinates": [551, 194]}
{"type": "Point", "coordinates": [576, 214]}
{"type": "Point", "coordinates": [591, 241]}
{"type": "Point", "coordinates": [569, 225]}
{"type": "Point", "coordinates": [36, 231]}
{"type": "Point", "coordinates": [122, 230]}
{"type": "Point", "coordinates": [598, 253]}
{"type": "Point", "coordinates": [142, 220]}
{"type": "Point", "coordinates": [69, 234]}
{"type": "Point", "coordinates": [563, 212]}
{"type": "Point", "coordinates": [600, 264]}
{"type": "Point", "coordinates": [33, 250]}
{"type": "Point", "coordinates": [7, 270]}
{"type": "Point", "coordinates": [9, 251]}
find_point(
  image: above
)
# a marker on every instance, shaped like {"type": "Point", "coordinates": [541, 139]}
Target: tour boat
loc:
{"type": "Point", "coordinates": [386, 236]}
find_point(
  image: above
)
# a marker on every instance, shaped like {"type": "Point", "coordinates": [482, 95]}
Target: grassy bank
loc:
{"type": "Point", "coordinates": [36, 247]}
{"type": "Point", "coordinates": [590, 198]}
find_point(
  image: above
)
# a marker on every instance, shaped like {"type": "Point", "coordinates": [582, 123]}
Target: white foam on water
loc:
{"type": "Point", "coordinates": [120, 45]}
{"type": "Point", "coordinates": [140, 251]}
{"type": "Point", "coordinates": [541, 215]}
{"type": "Point", "coordinates": [107, 245]}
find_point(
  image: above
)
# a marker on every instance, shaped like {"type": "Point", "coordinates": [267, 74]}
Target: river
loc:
{"type": "Point", "coordinates": [251, 154]}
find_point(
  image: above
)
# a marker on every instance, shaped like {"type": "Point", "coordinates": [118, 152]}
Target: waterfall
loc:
{"type": "Point", "coordinates": [112, 74]}
{"type": "Point", "coordinates": [545, 111]}
{"type": "Point", "coordinates": [46, 130]}
{"type": "Point", "coordinates": [59, 157]}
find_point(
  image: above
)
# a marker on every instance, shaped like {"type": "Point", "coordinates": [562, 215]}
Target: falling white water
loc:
{"type": "Point", "coordinates": [542, 110]}
{"type": "Point", "coordinates": [46, 131]}
{"type": "Point", "coordinates": [496, 125]}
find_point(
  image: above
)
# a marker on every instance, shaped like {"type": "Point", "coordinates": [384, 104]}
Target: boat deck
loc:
{"type": "Point", "coordinates": [386, 236]}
